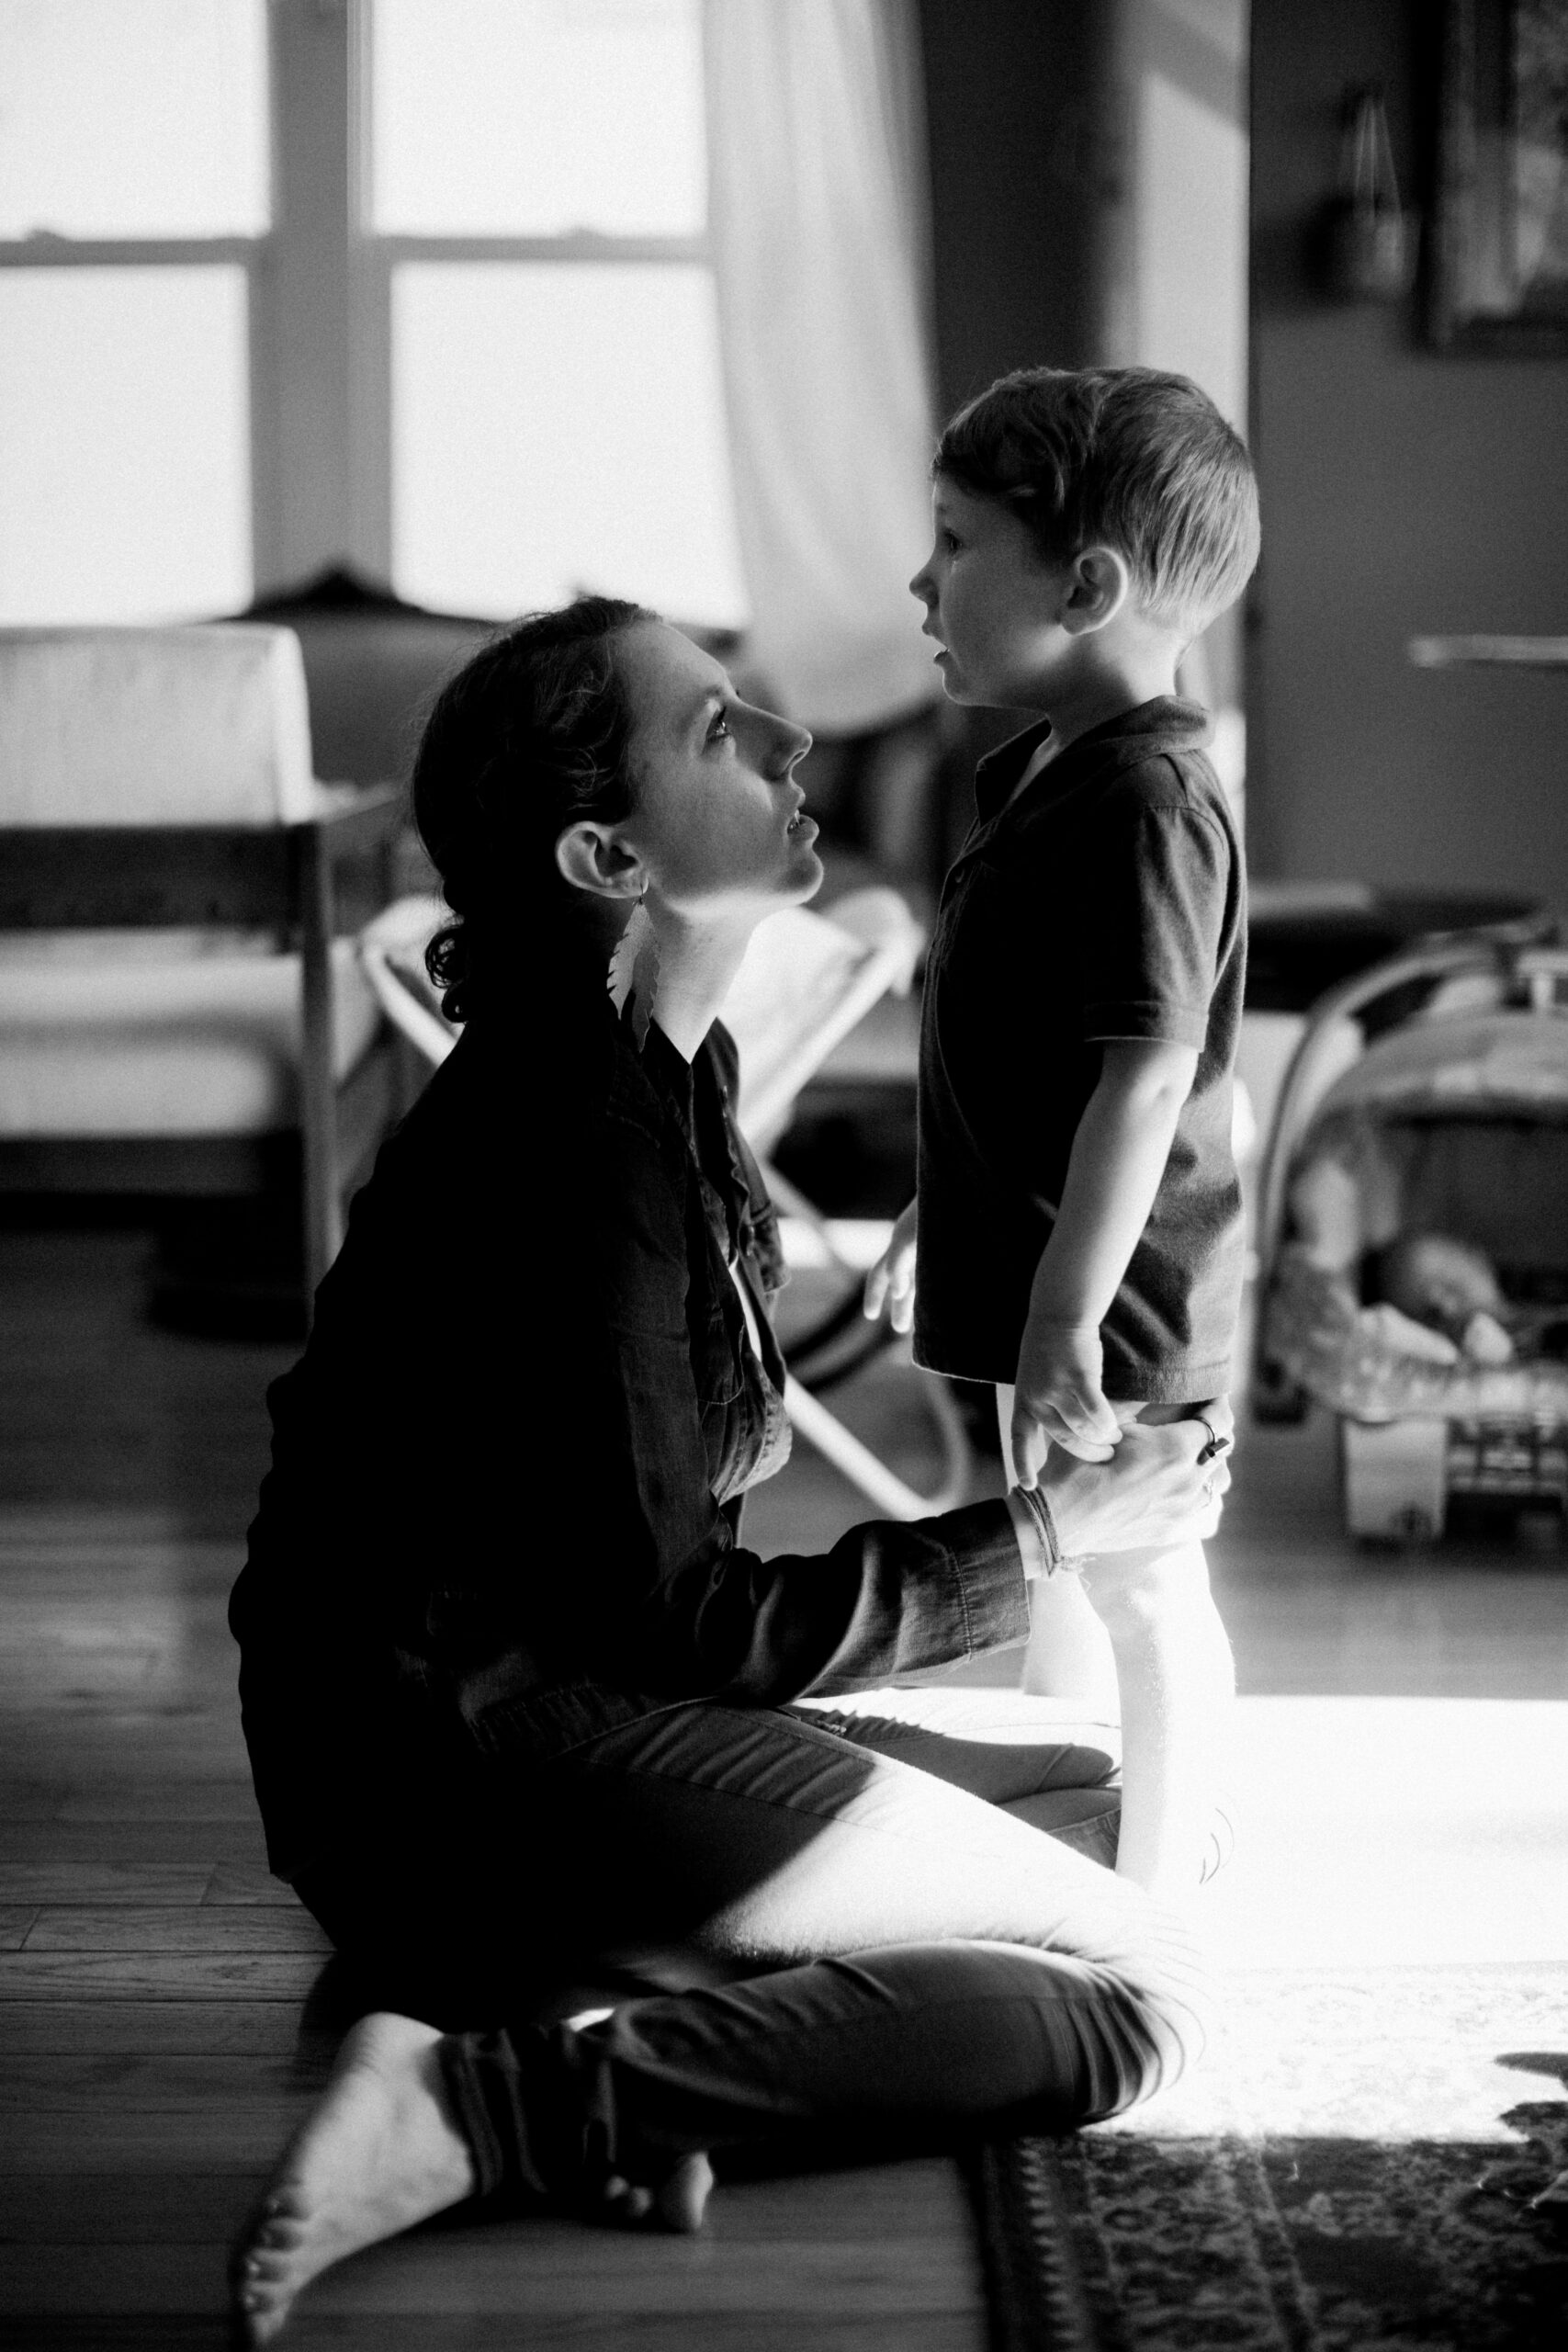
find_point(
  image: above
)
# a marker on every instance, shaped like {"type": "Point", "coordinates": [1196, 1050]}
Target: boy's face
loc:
{"type": "Point", "coordinates": [993, 603]}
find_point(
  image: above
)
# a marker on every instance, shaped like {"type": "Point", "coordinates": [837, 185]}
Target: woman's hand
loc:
{"type": "Point", "coordinates": [1152, 1491]}
{"type": "Point", "coordinates": [892, 1279]}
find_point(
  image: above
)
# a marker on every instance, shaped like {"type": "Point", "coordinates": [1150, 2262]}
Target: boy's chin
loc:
{"type": "Point", "coordinates": [974, 695]}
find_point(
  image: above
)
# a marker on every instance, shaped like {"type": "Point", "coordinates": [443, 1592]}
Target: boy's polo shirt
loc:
{"type": "Point", "coordinates": [1106, 902]}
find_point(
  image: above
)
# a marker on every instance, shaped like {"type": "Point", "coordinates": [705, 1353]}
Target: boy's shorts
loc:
{"type": "Point", "coordinates": [1159, 1416]}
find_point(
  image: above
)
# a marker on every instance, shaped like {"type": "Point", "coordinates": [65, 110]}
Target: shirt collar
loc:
{"type": "Point", "coordinates": [1178, 726]}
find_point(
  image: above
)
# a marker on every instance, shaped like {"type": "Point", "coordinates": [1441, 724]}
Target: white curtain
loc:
{"type": "Point", "coordinates": [816, 222]}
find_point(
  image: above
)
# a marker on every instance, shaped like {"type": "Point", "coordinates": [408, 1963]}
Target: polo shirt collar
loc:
{"type": "Point", "coordinates": [1178, 726]}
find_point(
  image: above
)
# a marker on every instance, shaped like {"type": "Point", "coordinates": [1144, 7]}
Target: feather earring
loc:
{"type": "Point", "coordinates": [634, 971]}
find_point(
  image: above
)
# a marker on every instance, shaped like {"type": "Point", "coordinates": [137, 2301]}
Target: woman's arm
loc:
{"type": "Point", "coordinates": [650, 1587]}
{"type": "Point", "coordinates": [689, 1608]}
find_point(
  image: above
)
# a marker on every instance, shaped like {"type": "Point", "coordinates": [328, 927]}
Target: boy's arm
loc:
{"type": "Point", "coordinates": [1118, 1158]}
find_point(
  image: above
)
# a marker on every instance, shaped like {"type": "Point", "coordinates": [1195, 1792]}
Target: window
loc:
{"type": "Point", "coordinates": [556, 428]}
{"type": "Point", "coordinates": [124, 491]}
{"type": "Point", "coordinates": [134, 200]}
{"type": "Point", "coordinates": [536, 221]}
{"type": "Point", "coordinates": [476, 351]}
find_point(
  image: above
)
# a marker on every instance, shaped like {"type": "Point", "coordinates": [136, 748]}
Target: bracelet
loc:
{"type": "Point", "coordinates": [1039, 1510]}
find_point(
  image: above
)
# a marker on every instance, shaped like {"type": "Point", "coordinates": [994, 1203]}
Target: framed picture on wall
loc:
{"type": "Point", "coordinates": [1499, 277]}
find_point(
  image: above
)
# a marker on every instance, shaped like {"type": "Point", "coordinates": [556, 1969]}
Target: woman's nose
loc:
{"type": "Point", "coordinates": [920, 585]}
{"type": "Point", "coordinates": [794, 742]}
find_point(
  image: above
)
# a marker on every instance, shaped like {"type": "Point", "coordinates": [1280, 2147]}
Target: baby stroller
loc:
{"type": "Point", "coordinates": [1413, 1234]}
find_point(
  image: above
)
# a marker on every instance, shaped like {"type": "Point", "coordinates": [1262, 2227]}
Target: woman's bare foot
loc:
{"type": "Point", "coordinates": [680, 2200]}
{"type": "Point", "coordinates": [678, 2203]}
{"type": "Point", "coordinates": [378, 2154]}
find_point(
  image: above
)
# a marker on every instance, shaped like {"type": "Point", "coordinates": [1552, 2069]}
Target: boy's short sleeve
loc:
{"type": "Point", "coordinates": [1156, 879]}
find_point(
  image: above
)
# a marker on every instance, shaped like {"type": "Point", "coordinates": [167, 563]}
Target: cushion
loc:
{"type": "Point", "coordinates": [161, 1033]}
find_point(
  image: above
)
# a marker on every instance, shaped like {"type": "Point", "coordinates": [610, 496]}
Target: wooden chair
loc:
{"type": "Point", "coordinates": [159, 781]}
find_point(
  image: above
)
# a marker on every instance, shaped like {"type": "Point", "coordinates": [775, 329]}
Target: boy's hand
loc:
{"type": "Point", "coordinates": [1057, 1400]}
{"type": "Point", "coordinates": [892, 1279]}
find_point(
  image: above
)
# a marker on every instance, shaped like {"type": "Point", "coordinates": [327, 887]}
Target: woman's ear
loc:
{"type": "Point", "coordinates": [591, 859]}
{"type": "Point", "coordinates": [1099, 585]}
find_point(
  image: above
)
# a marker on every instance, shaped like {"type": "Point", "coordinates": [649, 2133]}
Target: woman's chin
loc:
{"type": "Point", "coordinates": [807, 873]}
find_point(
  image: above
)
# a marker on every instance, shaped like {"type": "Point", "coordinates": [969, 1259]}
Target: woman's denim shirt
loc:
{"type": "Point", "coordinates": [503, 1511]}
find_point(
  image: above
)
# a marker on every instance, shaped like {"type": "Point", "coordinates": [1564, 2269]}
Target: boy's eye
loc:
{"type": "Point", "coordinates": [719, 730]}
{"type": "Point", "coordinates": [950, 541]}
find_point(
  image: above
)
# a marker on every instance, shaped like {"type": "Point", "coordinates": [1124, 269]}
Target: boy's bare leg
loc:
{"type": "Point", "coordinates": [1177, 1683]}
{"type": "Point", "coordinates": [1069, 1654]}
{"type": "Point", "coordinates": [1137, 1634]}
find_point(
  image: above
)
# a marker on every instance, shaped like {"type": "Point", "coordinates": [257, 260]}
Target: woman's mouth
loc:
{"type": "Point", "coordinates": [801, 827]}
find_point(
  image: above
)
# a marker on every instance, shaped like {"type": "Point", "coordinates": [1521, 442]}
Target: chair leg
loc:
{"type": "Point", "coordinates": [865, 1469]}
{"type": "Point", "coordinates": [318, 1093]}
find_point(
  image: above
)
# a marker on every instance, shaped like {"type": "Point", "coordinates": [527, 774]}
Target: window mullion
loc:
{"type": "Point", "coordinates": [301, 377]}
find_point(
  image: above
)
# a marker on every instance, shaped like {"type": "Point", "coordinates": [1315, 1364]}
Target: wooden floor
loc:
{"type": "Point", "coordinates": [165, 2011]}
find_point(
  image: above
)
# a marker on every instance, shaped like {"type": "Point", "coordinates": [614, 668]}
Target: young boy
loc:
{"type": "Point", "coordinates": [1079, 1237]}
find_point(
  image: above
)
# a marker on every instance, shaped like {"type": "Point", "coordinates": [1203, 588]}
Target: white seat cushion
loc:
{"type": "Point", "coordinates": [161, 1033]}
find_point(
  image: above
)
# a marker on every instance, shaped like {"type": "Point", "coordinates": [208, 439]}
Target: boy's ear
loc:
{"type": "Point", "coordinates": [591, 859]}
{"type": "Point", "coordinates": [1099, 585]}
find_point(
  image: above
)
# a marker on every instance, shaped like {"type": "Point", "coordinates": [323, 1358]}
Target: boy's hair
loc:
{"type": "Point", "coordinates": [1124, 458]}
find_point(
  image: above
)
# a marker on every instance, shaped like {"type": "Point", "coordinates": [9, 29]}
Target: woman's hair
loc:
{"type": "Point", "coordinates": [531, 735]}
{"type": "Point", "coordinates": [1125, 456]}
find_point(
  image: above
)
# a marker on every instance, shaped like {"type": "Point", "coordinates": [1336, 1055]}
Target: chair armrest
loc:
{"type": "Point", "coordinates": [94, 877]}
{"type": "Point", "coordinates": [85, 877]}
{"type": "Point", "coordinates": [353, 818]}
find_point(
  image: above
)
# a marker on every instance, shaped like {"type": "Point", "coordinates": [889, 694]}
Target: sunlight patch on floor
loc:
{"type": "Point", "coordinates": [1381, 1832]}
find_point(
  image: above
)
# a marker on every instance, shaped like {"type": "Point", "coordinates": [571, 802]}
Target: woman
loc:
{"type": "Point", "coordinates": [520, 1704]}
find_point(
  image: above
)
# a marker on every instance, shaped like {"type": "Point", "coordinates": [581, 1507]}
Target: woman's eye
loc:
{"type": "Point", "coordinates": [950, 541]}
{"type": "Point", "coordinates": [719, 731]}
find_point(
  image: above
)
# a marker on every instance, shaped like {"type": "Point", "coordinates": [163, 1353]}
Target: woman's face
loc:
{"type": "Point", "coordinates": [719, 826]}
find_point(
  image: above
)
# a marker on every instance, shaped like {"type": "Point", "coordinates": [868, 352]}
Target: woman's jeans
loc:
{"type": "Point", "coordinates": [889, 1919]}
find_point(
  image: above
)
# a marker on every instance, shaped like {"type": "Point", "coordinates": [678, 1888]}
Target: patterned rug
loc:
{"type": "Point", "coordinates": [1354, 2171]}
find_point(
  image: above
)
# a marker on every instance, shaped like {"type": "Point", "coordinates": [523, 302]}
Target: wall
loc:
{"type": "Point", "coordinates": [1088, 197]}
{"type": "Point", "coordinates": [1022, 160]}
{"type": "Point", "coordinates": [1404, 493]}
{"type": "Point", "coordinates": [1176, 291]}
